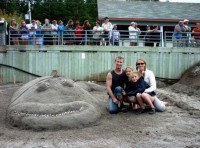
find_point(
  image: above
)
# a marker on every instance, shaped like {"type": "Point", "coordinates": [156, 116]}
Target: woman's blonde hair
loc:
{"type": "Point", "coordinates": [142, 74]}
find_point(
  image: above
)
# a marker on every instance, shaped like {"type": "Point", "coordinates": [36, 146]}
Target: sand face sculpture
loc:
{"type": "Point", "coordinates": [53, 103]}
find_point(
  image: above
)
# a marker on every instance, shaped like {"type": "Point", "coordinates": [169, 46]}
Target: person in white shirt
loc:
{"type": "Point", "coordinates": [54, 28]}
{"type": "Point", "coordinates": [32, 31]}
{"type": "Point", "coordinates": [133, 35]}
{"type": "Point", "coordinates": [97, 31]}
{"type": "Point", "coordinates": [107, 28]}
{"type": "Point", "coordinates": [149, 78]}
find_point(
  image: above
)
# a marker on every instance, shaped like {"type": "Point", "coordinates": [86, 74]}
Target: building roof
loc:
{"type": "Point", "coordinates": [146, 10]}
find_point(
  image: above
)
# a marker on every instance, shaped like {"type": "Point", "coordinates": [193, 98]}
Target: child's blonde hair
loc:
{"type": "Point", "coordinates": [129, 68]}
{"type": "Point", "coordinates": [135, 72]}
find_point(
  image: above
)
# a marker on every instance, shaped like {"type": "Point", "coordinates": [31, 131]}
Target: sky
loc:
{"type": "Point", "coordinates": [183, 1]}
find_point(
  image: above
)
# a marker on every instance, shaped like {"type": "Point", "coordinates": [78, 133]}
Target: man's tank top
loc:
{"type": "Point", "coordinates": [178, 35]}
{"type": "Point", "coordinates": [118, 80]}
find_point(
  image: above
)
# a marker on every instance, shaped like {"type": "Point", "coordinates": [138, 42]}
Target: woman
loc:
{"type": "Point", "coordinates": [68, 36]}
{"type": "Point", "coordinates": [133, 35]}
{"type": "Point", "coordinates": [86, 33]}
{"type": "Point", "coordinates": [24, 32]}
{"type": "Point", "coordinates": [78, 33]}
{"type": "Point", "coordinates": [39, 36]}
{"type": "Point", "coordinates": [149, 78]}
{"type": "Point", "coordinates": [97, 32]}
{"type": "Point", "coordinates": [14, 32]}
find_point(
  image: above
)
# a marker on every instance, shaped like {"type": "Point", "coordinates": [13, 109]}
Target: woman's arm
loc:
{"type": "Point", "coordinates": [152, 81]}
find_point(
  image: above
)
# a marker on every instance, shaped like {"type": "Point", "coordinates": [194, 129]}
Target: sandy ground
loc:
{"type": "Point", "coordinates": [177, 127]}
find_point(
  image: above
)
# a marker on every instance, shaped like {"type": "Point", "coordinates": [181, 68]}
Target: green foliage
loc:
{"type": "Point", "coordinates": [9, 16]}
{"type": "Point", "coordinates": [77, 10]}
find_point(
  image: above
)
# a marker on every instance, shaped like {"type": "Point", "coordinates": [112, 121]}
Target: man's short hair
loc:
{"type": "Point", "coordinates": [119, 57]}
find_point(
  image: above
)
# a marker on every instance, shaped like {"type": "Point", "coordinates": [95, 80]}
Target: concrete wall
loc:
{"type": "Point", "coordinates": [90, 62]}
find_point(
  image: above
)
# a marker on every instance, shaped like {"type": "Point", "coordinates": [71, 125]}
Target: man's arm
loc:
{"type": "Point", "coordinates": [108, 87]}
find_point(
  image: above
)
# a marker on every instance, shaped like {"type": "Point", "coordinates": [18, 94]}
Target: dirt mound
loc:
{"type": "Point", "coordinates": [190, 82]}
{"type": "Point", "coordinates": [192, 77]}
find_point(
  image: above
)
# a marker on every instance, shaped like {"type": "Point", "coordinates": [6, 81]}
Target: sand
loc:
{"type": "Point", "coordinates": [177, 127]}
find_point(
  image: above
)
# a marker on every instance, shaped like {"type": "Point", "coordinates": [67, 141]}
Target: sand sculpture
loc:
{"type": "Point", "coordinates": [54, 103]}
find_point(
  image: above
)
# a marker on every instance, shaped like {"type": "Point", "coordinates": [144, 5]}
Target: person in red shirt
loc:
{"type": "Point", "coordinates": [196, 34]}
{"type": "Point", "coordinates": [78, 33]}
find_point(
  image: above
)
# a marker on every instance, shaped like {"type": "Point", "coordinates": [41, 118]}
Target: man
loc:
{"type": "Point", "coordinates": [196, 34]}
{"type": "Point", "coordinates": [187, 36]}
{"type": "Point", "coordinates": [107, 28]}
{"type": "Point", "coordinates": [32, 31]}
{"type": "Point", "coordinates": [178, 34]}
{"type": "Point", "coordinates": [46, 30]}
{"type": "Point", "coordinates": [115, 85]}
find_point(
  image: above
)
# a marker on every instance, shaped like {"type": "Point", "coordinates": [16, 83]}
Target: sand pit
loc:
{"type": "Point", "coordinates": [178, 126]}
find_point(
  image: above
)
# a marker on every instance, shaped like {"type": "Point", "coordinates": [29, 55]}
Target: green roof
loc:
{"type": "Point", "coordinates": [117, 9]}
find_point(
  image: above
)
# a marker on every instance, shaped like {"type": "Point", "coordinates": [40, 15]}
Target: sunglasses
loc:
{"type": "Point", "coordinates": [140, 63]}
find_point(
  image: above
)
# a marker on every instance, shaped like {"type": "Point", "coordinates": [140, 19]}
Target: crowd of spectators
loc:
{"type": "Point", "coordinates": [56, 33]}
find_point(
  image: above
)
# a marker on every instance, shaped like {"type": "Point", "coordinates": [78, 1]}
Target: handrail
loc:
{"type": "Point", "coordinates": [89, 37]}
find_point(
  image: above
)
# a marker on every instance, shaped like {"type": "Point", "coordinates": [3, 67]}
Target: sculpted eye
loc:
{"type": "Point", "coordinates": [43, 86]}
{"type": "Point", "coordinates": [69, 83]}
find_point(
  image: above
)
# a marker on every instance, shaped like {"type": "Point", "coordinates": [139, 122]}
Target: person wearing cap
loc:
{"type": "Point", "coordinates": [187, 36]}
{"type": "Point", "coordinates": [177, 37]}
{"type": "Point", "coordinates": [107, 28]}
{"type": "Point", "coordinates": [133, 34]}
{"type": "Point", "coordinates": [115, 81]}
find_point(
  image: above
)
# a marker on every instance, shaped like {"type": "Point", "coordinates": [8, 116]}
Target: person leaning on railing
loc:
{"type": "Point", "coordinates": [54, 28]}
{"type": "Point", "coordinates": [68, 35]}
{"type": "Point", "coordinates": [196, 34]}
{"type": "Point", "coordinates": [78, 33]}
{"type": "Point", "coordinates": [86, 33]}
{"type": "Point", "coordinates": [24, 31]}
{"type": "Point", "coordinates": [39, 35]}
{"type": "Point", "coordinates": [14, 34]}
{"type": "Point", "coordinates": [46, 30]}
{"type": "Point", "coordinates": [107, 28]}
{"type": "Point", "coordinates": [154, 36]}
{"type": "Point", "coordinates": [97, 32]}
{"type": "Point", "coordinates": [32, 31]}
{"type": "Point", "coordinates": [177, 36]}
{"type": "Point", "coordinates": [61, 28]}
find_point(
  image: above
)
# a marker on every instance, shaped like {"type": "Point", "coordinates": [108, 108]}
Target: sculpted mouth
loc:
{"type": "Point", "coordinates": [52, 116]}
{"type": "Point", "coordinates": [17, 113]}
{"type": "Point", "coordinates": [50, 110]}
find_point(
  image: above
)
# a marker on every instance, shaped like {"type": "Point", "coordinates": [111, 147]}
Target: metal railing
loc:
{"type": "Point", "coordinates": [88, 37]}
{"type": "Point", "coordinates": [185, 39]}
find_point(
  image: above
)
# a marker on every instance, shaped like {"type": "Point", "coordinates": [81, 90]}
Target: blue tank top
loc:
{"type": "Point", "coordinates": [176, 34]}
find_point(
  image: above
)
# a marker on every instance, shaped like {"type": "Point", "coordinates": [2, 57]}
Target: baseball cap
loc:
{"type": "Point", "coordinates": [132, 23]}
{"type": "Point", "coordinates": [185, 20]}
